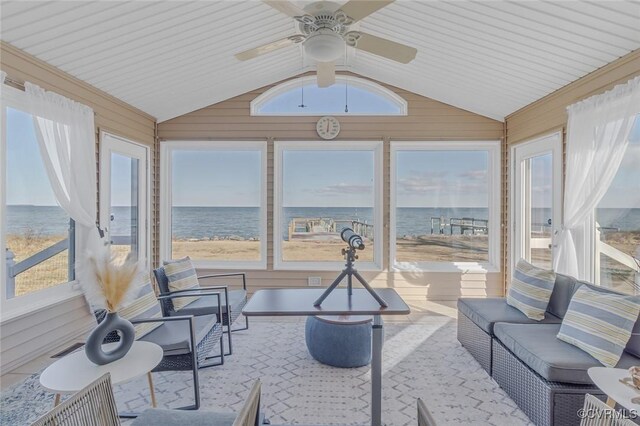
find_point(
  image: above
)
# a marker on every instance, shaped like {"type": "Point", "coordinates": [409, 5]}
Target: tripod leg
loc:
{"type": "Point", "coordinates": [330, 289]}
{"type": "Point", "coordinates": [371, 291]}
{"type": "Point", "coordinates": [349, 285]}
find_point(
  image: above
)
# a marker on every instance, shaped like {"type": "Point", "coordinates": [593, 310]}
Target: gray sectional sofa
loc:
{"type": "Point", "coordinates": [545, 376]}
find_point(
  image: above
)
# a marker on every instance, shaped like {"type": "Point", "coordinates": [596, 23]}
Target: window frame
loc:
{"type": "Point", "coordinates": [110, 143]}
{"type": "Point", "coordinates": [166, 150]}
{"type": "Point", "coordinates": [361, 83]}
{"type": "Point", "coordinates": [550, 143]}
{"type": "Point", "coordinates": [493, 148]}
{"type": "Point", "coordinates": [315, 145]}
{"type": "Point", "coordinates": [20, 305]}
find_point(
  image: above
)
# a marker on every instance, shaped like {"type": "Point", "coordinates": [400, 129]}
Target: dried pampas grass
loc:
{"type": "Point", "coordinates": [107, 283]}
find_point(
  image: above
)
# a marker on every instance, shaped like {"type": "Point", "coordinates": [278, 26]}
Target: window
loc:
{"type": "Point", "coordinates": [348, 96]}
{"type": "Point", "coordinates": [445, 205]}
{"type": "Point", "coordinates": [38, 235]}
{"type": "Point", "coordinates": [214, 203]}
{"type": "Point", "coordinates": [617, 261]}
{"type": "Point", "coordinates": [321, 188]}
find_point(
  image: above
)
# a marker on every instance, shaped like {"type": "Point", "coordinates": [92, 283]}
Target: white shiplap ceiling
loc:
{"type": "Point", "coordinates": [172, 57]}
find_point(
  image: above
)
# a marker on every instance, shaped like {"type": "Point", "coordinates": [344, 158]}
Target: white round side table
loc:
{"type": "Point", "coordinates": [74, 371]}
{"type": "Point", "coordinates": [608, 380]}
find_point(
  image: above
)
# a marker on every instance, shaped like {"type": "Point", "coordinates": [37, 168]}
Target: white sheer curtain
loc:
{"type": "Point", "coordinates": [597, 137]}
{"type": "Point", "coordinates": [66, 136]}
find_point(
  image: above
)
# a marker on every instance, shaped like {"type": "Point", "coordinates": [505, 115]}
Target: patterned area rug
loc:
{"type": "Point", "coordinates": [422, 359]}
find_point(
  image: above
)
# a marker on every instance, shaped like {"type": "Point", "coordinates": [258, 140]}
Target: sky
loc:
{"type": "Point", "coordinates": [441, 179]}
{"type": "Point", "coordinates": [328, 179]}
{"type": "Point", "coordinates": [329, 100]}
{"type": "Point", "coordinates": [220, 179]}
{"type": "Point", "coordinates": [311, 178]}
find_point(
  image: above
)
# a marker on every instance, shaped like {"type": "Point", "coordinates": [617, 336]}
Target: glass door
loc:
{"type": "Point", "coordinates": [124, 196]}
{"type": "Point", "coordinates": [536, 199]}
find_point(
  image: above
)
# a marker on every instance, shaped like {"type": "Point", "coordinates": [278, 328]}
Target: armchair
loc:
{"type": "Point", "coordinates": [95, 406]}
{"type": "Point", "coordinates": [232, 301]}
{"type": "Point", "coordinates": [187, 341]}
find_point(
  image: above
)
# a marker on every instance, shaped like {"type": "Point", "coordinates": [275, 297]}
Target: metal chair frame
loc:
{"type": "Point", "coordinates": [228, 318]}
{"type": "Point", "coordinates": [194, 360]}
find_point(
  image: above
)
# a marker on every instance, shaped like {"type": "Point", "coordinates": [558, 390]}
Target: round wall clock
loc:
{"type": "Point", "coordinates": [328, 127]}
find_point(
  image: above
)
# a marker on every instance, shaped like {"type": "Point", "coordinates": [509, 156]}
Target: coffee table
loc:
{"type": "Point", "coordinates": [300, 302]}
{"type": "Point", "coordinates": [608, 380]}
{"type": "Point", "coordinates": [74, 371]}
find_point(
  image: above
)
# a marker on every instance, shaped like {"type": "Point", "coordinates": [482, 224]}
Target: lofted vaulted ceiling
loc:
{"type": "Point", "coordinates": [171, 57]}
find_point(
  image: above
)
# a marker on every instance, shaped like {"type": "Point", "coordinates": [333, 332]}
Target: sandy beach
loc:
{"type": "Point", "coordinates": [466, 248]}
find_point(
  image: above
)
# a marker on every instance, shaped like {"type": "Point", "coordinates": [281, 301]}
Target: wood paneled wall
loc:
{"type": "Point", "coordinates": [549, 115]}
{"type": "Point", "coordinates": [26, 337]}
{"type": "Point", "coordinates": [427, 120]}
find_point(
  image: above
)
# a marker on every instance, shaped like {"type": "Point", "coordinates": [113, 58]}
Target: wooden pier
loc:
{"type": "Point", "coordinates": [463, 225]}
{"type": "Point", "coordinates": [303, 228]}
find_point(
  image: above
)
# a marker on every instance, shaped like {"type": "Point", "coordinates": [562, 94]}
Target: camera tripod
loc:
{"type": "Point", "coordinates": [349, 272]}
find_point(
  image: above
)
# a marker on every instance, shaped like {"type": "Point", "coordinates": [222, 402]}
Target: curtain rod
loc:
{"type": "Point", "coordinates": [13, 83]}
{"type": "Point", "coordinates": [20, 86]}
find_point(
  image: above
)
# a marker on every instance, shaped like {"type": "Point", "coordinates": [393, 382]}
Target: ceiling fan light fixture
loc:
{"type": "Point", "coordinates": [324, 45]}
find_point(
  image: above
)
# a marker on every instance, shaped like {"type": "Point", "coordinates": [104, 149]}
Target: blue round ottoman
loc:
{"type": "Point", "coordinates": [340, 341]}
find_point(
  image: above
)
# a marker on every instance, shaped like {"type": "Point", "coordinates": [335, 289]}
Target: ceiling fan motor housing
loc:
{"type": "Point", "coordinates": [324, 45]}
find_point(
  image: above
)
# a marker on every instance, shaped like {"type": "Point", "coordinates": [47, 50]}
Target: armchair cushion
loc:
{"type": "Point", "coordinates": [173, 336]}
{"type": "Point", "coordinates": [144, 306]}
{"type": "Point", "coordinates": [181, 275]}
{"type": "Point", "coordinates": [209, 305]}
{"type": "Point", "coordinates": [159, 417]}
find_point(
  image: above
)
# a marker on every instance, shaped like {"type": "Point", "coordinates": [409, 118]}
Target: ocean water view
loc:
{"type": "Point", "coordinates": [243, 222]}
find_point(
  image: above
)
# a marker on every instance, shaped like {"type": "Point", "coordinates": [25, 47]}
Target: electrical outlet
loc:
{"type": "Point", "coordinates": [315, 281]}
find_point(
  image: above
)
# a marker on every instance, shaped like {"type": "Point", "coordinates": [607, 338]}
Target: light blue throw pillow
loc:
{"type": "Point", "coordinates": [600, 323]}
{"type": "Point", "coordinates": [531, 289]}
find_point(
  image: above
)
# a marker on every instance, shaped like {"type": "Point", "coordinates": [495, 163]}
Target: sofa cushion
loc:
{"type": "Point", "coordinates": [531, 289]}
{"type": "Point", "coordinates": [486, 312]}
{"type": "Point", "coordinates": [537, 346]}
{"type": "Point", "coordinates": [600, 323]}
{"type": "Point", "coordinates": [208, 305]}
{"type": "Point", "coordinates": [633, 346]}
{"type": "Point", "coordinates": [173, 336]}
{"type": "Point", "coordinates": [181, 275]}
{"type": "Point", "coordinates": [563, 290]}
{"type": "Point", "coordinates": [159, 417]}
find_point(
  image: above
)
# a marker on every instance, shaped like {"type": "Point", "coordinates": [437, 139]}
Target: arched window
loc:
{"type": "Point", "coordinates": [302, 96]}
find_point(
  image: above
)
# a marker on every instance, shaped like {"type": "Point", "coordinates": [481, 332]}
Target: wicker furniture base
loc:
{"type": "Point", "coordinates": [235, 313]}
{"type": "Point", "coordinates": [185, 361]}
{"type": "Point", "coordinates": [475, 340]}
{"type": "Point", "coordinates": [545, 403]}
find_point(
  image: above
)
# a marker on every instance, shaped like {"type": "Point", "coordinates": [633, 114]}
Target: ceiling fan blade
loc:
{"type": "Point", "coordinates": [385, 48]}
{"type": "Point", "coordinates": [326, 74]}
{"type": "Point", "coordinates": [270, 47]}
{"type": "Point", "coordinates": [285, 7]}
{"type": "Point", "coordinates": [359, 9]}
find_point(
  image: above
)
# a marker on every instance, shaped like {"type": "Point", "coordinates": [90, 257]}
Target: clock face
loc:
{"type": "Point", "coordinates": [328, 127]}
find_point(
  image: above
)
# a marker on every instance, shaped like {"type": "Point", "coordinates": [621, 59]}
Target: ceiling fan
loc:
{"type": "Point", "coordinates": [325, 29]}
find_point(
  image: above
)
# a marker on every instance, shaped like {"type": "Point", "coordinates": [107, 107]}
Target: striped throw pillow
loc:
{"type": "Point", "coordinates": [600, 323]}
{"type": "Point", "coordinates": [531, 289]}
{"type": "Point", "coordinates": [182, 276]}
{"type": "Point", "coordinates": [144, 306]}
